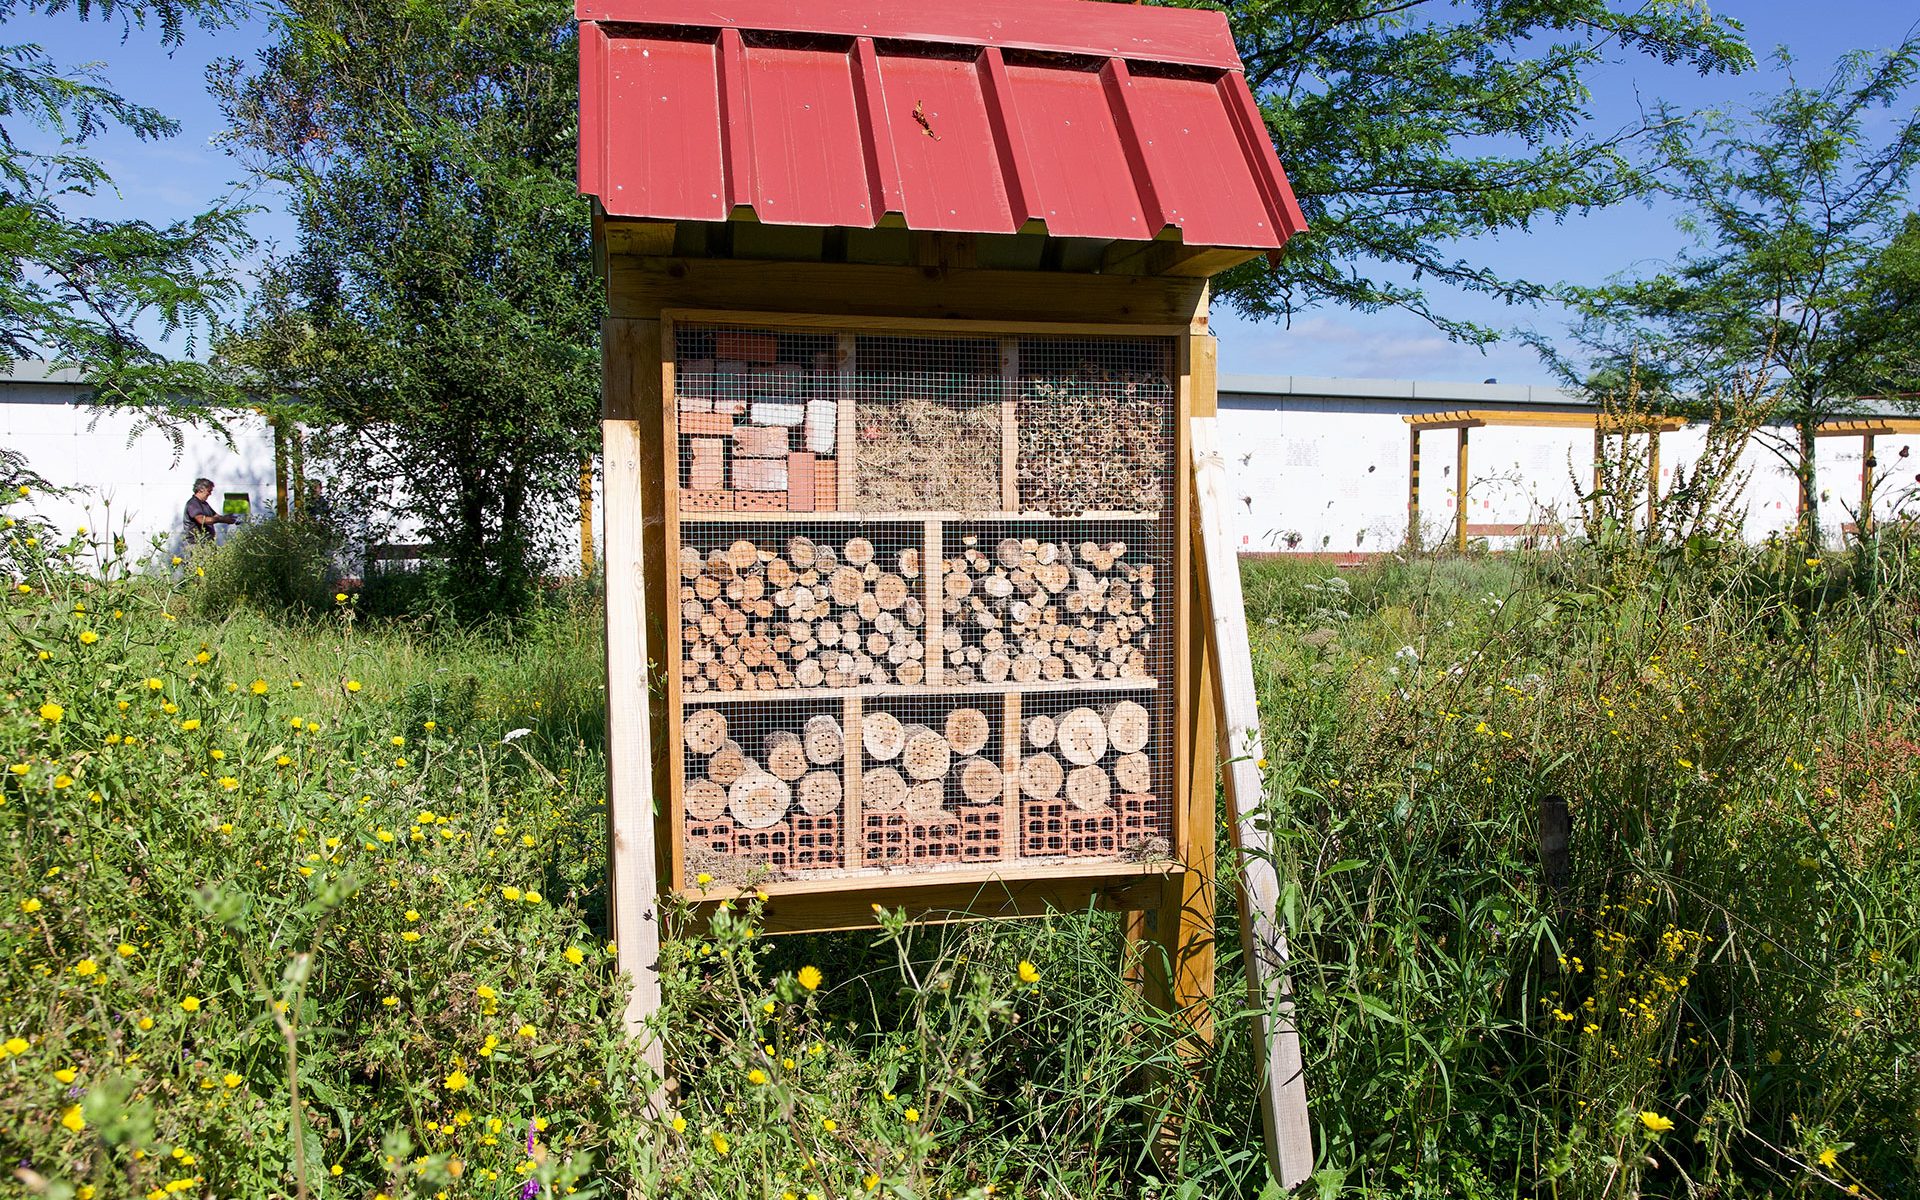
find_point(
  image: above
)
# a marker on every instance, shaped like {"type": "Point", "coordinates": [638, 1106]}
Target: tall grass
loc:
{"type": "Point", "coordinates": [1717, 1000]}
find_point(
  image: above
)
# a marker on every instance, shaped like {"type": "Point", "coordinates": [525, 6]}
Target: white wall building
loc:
{"type": "Point", "coordinates": [1319, 466]}
{"type": "Point", "coordinates": [1316, 466]}
{"type": "Point", "coordinates": [126, 476]}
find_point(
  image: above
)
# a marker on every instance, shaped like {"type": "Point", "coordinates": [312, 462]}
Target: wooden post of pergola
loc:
{"type": "Point", "coordinates": [1866, 429]}
{"type": "Point", "coordinates": [1463, 420]}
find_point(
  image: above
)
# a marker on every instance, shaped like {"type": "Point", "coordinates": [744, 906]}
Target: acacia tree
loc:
{"type": "Point", "coordinates": [90, 292]}
{"type": "Point", "coordinates": [1796, 207]}
{"type": "Point", "coordinates": [439, 313]}
{"type": "Point", "coordinates": [1409, 125]}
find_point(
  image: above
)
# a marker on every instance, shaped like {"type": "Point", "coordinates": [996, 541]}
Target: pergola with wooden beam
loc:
{"type": "Point", "coordinates": [1602, 424]}
{"type": "Point", "coordinates": [1866, 429]}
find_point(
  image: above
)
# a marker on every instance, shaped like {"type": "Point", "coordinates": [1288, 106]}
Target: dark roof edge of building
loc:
{"type": "Point", "coordinates": [1418, 390]}
{"type": "Point", "coordinates": [36, 370]}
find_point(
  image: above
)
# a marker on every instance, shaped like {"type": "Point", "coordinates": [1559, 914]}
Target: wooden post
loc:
{"type": "Point", "coordinates": [1653, 480]}
{"type": "Point", "coordinates": [586, 516]}
{"type": "Point", "coordinates": [844, 439]}
{"type": "Point", "coordinates": [1864, 522]}
{"type": "Point", "coordinates": [1599, 472]}
{"type": "Point", "coordinates": [1178, 967]}
{"type": "Point", "coordinates": [1460, 493]}
{"type": "Point", "coordinates": [1413, 490]}
{"type": "Point", "coordinates": [1283, 1107]}
{"type": "Point", "coordinates": [1009, 424]}
{"type": "Point", "coordinates": [280, 508]}
{"type": "Point", "coordinates": [297, 467]}
{"type": "Point", "coordinates": [631, 392]}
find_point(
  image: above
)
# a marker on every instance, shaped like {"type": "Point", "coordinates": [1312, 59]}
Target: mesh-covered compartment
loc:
{"type": "Point", "coordinates": [758, 420]}
{"type": "Point", "coordinates": [1095, 425]}
{"type": "Point", "coordinates": [767, 606]}
{"type": "Point", "coordinates": [933, 788]}
{"type": "Point", "coordinates": [928, 419]}
{"type": "Point", "coordinates": [921, 589]}
{"type": "Point", "coordinates": [1094, 774]}
{"type": "Point", "coordinates": [1052, 601]}
{"type": "Point", "coordinates": [763, 787]}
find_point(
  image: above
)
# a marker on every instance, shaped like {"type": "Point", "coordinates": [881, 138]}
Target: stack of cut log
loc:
{"type": "Point", "coordinates": [1087, 755]}
{"type": "Point", "coordinates": [911, 767]}
{"type": "Point", "coordinates": [1029, 610]}
{"type": "Point", "coordinates": [792, 767]}
{"type": "Point", "coordinates": [757, 434]}
{"type": "Point", "coordinates": [1093, 439]}
{"type": "Point", "coordinates": [808, 615]}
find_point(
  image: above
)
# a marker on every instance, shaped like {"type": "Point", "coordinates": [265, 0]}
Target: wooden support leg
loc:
{"type": "Point", "coordinates": [1653, 482]}
{"type": "Point", "coordinates": [1283, 1095]}
{"type": "Point", "coordinates": [631, 392]}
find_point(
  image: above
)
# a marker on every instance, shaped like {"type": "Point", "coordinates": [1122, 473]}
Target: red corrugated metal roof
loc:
{"type": "Point", "coordinates": [1091, 120]}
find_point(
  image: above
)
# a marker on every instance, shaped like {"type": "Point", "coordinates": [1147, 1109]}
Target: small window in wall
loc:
{"type": "Point", "coordinates": [237, 504]}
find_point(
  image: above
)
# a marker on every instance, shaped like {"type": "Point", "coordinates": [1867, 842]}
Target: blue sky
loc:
{"type": "Point", "coordinates": [175, 178]}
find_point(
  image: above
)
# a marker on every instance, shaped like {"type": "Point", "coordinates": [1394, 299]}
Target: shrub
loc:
{"type": "Point", "coordinates": [283, 566]}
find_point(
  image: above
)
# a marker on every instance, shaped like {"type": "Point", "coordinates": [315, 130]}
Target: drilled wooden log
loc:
{"type": "Point", "coordinates": [927, 798]}
{"type": "Point", "coordinates": [785, 756]}
{"type": "Point", "coordinates": [820, 793]}
{"type": "Point", "coordinates": [1081, 736]}
{"type": "Point", "coordinates": [704, 799]}
{"type": "Point", "coordinates": [704, 730]}
{"type": "Point", "coordinates": [882, 789]}
{"type": "Point", "coordinates": [1041, 776]}
{"type": "Point", "coordinates": [758, 800]}
{"type": "Point", "coordinates": [925, 754]}
{"type": "Point", "coordinates": [826, 743]}
{"type": "Point", "coordinates": [1040, 731]}
{"type": "Point", "coordinates": [1088, 788]}
{"type": "Point", "coordinates": [967, 730]}
{"type": "Point", "coordinates": [981, 780]}
{"type": "Point", "coordinates": [728, 764]}
{"type": "Point", "coordinates": [1133, 773]}
{"type": "Point", "coordinates": [881, 734]}
{"type": "Point", "coordinates": [857, 552]}
{"type": "Point", "coordinates": [801, 552]}
{"type": "Point", "coordinates": [1128, 727]}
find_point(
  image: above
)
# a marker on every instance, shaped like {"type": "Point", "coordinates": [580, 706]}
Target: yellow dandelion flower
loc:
{"type": "Point", "coordinates": [756, 1077]}
{"type": "Point", "coordinates": [1028, 972]}
{"type": "Point", "coordinates": [810, 978]}
{"type": "Point", "coordinates": [231, 1080]}
{"type": "Point", "coordinates": [258, 687]}
{"type": "Point", "coordinates": [66, 1075]}
{"type": "Point", "coordinates": [576, 955]}
{"type": "Point", "coordinates": [72, 1118]}
{"type": "Point", "coordinates": [29, 906]}
{"type": "Point", "coordinates": [1829, 1158]}
{"type": "Point", "coordinates": [51, 713]}
{"type": "Point", "coordinates": [721, 1145]}
{"type": "Point", "coordinates": [190, 1003]}
{"type": "Point", "coordinates": [353, 685]}
{"type": "Point", "coordinates": [456, 1081]}
{"type": "Point", "coordinates": [1656, 1123]}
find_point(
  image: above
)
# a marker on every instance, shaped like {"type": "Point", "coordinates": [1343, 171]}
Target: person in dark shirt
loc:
{"type": "Point", "coordinates": [201, 516]}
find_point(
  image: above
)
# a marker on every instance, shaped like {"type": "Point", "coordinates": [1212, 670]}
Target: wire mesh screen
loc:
{"type": "Point", "coordinates": [922, 589]}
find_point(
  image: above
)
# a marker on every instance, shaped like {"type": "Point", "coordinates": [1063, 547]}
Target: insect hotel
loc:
{"type": "Point", "coordinates": [907, 321]}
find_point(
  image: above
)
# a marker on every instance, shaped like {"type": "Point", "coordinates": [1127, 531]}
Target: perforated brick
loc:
{"type": "Point", "coordinates": [715, 836]}
{"type": "Point", "coordinates": [772, 846]}
{"type": "Point", "coordinates": [981, 838]}
{"type": "Point", "coordinates": [816, 841]}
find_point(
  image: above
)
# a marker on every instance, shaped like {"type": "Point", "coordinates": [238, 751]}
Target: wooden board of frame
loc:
{"type": "Point", "coordinates": [929, 593]}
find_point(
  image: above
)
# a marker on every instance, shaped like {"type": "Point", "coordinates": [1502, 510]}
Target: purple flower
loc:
{"type": "Point", "coordinates": [532, 1187]}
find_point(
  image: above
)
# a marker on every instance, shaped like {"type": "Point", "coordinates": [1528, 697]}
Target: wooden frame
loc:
{"type": "Point", "coordinates": [1866, 429]}
{"type": "Point", "coordinates": [1169, 905]}
{"type": "Point", "coordinates": [1463, 420]}
{"type": "Point", "coordinates": [809, 903]}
